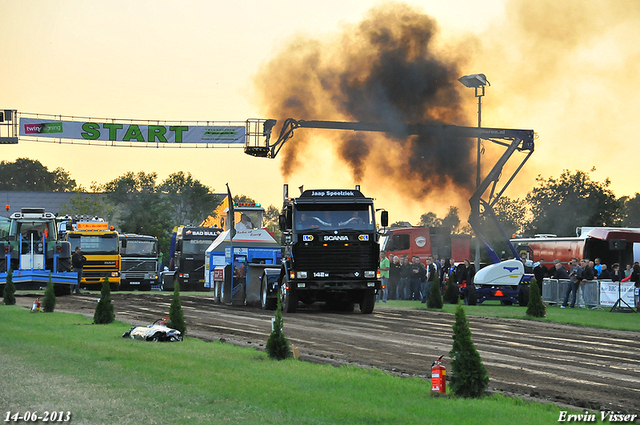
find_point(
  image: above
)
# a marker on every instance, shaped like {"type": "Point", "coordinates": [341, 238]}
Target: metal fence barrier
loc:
{"type": "Point", "coordinates": [553, 291]}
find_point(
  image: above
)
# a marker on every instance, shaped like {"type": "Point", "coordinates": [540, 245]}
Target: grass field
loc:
{"type": "Point", "coordinates": [62, 362]}
{"type": "Point", "coordinates": [576, 316]}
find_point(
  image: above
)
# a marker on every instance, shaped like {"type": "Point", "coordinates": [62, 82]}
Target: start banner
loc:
{"type": "Point", "coordinates": [124, 132]}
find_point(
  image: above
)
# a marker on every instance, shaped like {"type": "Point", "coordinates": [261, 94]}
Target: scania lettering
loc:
{"type": "Point", "coordinates": [336, 238]}
{"type": "Point", "coordinates": [331, 250]}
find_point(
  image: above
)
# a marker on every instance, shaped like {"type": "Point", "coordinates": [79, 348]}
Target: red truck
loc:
{"type": "Point", "coordinates": [425, 241]}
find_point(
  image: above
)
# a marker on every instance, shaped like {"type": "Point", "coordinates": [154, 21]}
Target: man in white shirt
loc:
{"type": "Point", "coordinates": [245, 223]}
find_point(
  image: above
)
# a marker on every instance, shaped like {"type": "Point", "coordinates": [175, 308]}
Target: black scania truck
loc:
{"type": "Point", "coordinates": [331, 250]}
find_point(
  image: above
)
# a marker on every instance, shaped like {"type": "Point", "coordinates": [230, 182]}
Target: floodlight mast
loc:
{"type": "Point", "coordinates": [513, 139]}
{"type": "Point", "coordinates": [478, 83]}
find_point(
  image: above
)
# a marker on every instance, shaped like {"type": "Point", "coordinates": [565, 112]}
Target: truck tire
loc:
{"type": "Point", "coordinates": [266, 302]}
{"type": "Point", "coordinates": [368, 301]}
{"type": "Point", "coordinates": [289, 298]}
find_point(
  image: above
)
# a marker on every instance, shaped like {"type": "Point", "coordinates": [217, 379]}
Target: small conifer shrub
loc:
{"type": "Point", "coordinates": [536, 307]}
{"type": "Point", "coordinates": [9, 291]}
{"type": "Point", "coordinates": [451, 295]}
{"type": "Point", "coordinates": [435, 296]}
{"type": "Point", "coordinates": [469, 377]}
{"type": "Point", "coordinates": [176, 314]}
{"type": "Point", "coordinates": [49, 301]}
{"type": "Point", "coordinates": [104, 310]}
{"type": "Point", "coordinates": [278, 346]}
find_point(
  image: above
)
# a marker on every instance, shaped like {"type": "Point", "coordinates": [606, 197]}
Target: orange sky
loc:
{"type": "Point", "coordinates": [564, 69]}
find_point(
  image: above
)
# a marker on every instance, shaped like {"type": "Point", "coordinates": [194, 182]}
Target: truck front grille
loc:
{"type": "Point", "coordinates": [336, 258]}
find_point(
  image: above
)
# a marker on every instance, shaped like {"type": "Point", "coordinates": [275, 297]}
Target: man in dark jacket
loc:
{"type": "Point", "coordinates": [77, 261]}
{"type": "Point", "coordinates": [560, 272]}
{"type": "Point", "coordinates": [430, 273]}
{"type": "Point", "coordinates": [540, 272]}
{"type": "Point", "coordinates": [418, 275]}
{"type": "Point", "coordinates": [575, 276]}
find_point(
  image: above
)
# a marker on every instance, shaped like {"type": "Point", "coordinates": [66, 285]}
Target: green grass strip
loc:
{"type": "Point", "coordinates": [62, 362]}
{"type": "Point", "coordinates": [602, 319]}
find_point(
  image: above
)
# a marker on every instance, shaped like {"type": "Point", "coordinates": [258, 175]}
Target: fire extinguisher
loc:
{"type": "Point", "coordinates": [438, 376]}
{"type": "Point", "coordinates": [36, 305]}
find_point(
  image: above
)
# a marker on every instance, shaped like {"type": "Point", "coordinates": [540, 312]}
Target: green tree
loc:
{"type": "Point", "coordinates": [536, 307]}
{"type": "Point", "coordinates": [559, 205]}
{"type": "Point", "coordinates": [631, 211]}
{"type": "Point", "coordinates": [30, 175]}
{"type": "Point", "coordinates": [243, 199]}
{"type": "Point", "coordinates": [191, 201]}
{"type": "Point", "coordinates": [278, 346]}
{"type": "Point", "coordinates": [469, 377]}
{"type": "Point", "coordinates": [141, 208]}
{"type": "Point", "coordinates": [452, 219]}
{"type": "Point", "coordinates": [271, 221]}
{"type": "Point", "coordinates": [104, 313]}
{"type": "Point", "coordinates": [9, 291]}
{"type": "Point", "coordinates": [90, 203]}
{"type": "Point", "coordinates": [429, 219]}
{"type": "Point", "coordinates": [49, 300]}
{"type": "Point", "coordinates": [176, 314]}
{"type": "Point", "coordinates": [512, 214]}
{"type": "Point", "coordinates": [435, 296]}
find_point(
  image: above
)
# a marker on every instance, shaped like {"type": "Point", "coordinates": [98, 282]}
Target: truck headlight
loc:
{"type": "Point", "coordinates": [369, 274]}
{"type": "Point", "coordinates": [301, 275]}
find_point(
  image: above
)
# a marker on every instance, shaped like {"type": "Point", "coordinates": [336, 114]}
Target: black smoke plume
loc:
{"type": "Point", "coordinates": [386, 70]}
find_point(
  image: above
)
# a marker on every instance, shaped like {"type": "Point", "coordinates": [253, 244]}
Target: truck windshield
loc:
{"type": "Point", "coordinates": [141, 248]}
{"type": "Point", "coordinates": [195, 246]}
{"type": "Point", "coordinates": [334, 217]}
{"type": "Point", "coordinates": [29, 228]}
{"type": "Point", "coordinates": [95, 244]}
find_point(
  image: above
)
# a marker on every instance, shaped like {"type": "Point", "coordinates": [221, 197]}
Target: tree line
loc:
{"type": "Point", "coordinates": [555, 205]}
{"type": "Point", "coordinates": [134, 202]}
{"type": "Point", "coordinates": [138, 203]}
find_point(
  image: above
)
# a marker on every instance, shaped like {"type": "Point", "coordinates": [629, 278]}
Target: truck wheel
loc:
{"type": "Point", "coordinates": [266, 302]}
{"type": "Point", "coordinates": [289, 298]}
{"type": "Point", "coordinates": [523, 295]}
{"type": "Point", "coordinates": [368, 301]}
{"type": "Point", "coordinates": [471, 296]}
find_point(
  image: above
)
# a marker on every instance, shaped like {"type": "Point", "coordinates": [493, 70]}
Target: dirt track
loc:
{"type": "Point", "coordinates": [583, 367]}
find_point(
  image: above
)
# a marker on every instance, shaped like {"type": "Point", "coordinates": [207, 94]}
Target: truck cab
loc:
{"type": "Point", "coordinates": [139, 269]}
{"type": "Point", "coordinates": [32, 250]}
{"type": "Point", "coordinates": [426, 241]}
{"type": "Point", "coordinates": [331, 250]}
{"type": "Point", "coordinates": [188, 259]}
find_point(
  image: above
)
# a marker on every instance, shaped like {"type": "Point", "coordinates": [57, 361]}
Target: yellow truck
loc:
{"type": "Point", "coordinates": [99, 244]}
